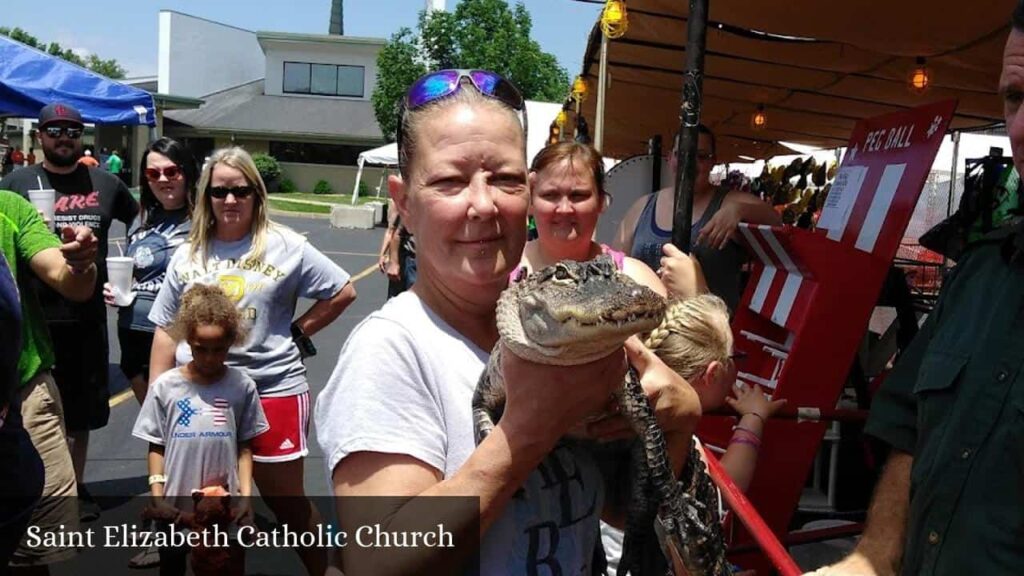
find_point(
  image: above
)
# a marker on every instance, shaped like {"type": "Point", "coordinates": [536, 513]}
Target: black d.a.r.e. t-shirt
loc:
{"type": "Point", "coordinates": [85, 197]}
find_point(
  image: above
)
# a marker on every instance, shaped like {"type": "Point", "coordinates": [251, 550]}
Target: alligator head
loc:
{"type": "Point", "coordinates": [575, 312]}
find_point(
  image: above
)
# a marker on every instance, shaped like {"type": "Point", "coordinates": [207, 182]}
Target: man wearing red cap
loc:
{"type": "Point", "coordinates": [83, 197]}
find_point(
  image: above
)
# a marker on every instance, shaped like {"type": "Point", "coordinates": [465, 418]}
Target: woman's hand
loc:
{"type": "Point", "coordinates": [242, 514]}
{"type": "Point", "coordinates": [722, 227]}
{"type": "Point", "coordinates": [681, 273]}
{"type": "Point", "coordinates": [544, 401]}
{"type": "Point", "coordinates": [113, 297]}
{"type": "Point", "coordinates": [753, 400]}
{"type": "Point", "coordinates": [392, 270]}
{"type": "Point", "coordinates": [675, 403]}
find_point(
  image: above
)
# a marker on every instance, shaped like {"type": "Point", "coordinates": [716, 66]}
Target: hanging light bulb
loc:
{"type": "Point", "coordinates": [579, 89]}
{"type": "Point", "coordinates": [614, 21]}
{"type": "Point", "coordinates": [561, 118]}
{"type": "Point", "coordinates": [555, 133]}
{"type": "Point", "coordinates": [919, 78]}
{"type": "Point", "coordinates": [759, 119]}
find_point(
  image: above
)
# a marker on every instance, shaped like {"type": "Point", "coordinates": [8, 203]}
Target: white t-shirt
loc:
{"type": "Point", "coordinates": [265, 290]}
{"type": "Point", "coordinates": [404, 385]}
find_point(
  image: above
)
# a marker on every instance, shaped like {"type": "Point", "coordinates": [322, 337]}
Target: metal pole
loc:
{"type": "Point", "coordinates": [952, 174]}
{"type": "Point", "coordinates": [601, 80]}
{"type": "Point", "coordinates": [686, 153]}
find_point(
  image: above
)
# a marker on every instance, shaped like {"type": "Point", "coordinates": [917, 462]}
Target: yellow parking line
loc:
{"type": "Point", "coordinates": [126, 394]}
{"type": "Point", "coordinates": [121, 397]}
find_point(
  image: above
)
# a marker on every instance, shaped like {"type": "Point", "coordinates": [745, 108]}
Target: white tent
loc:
{"type": "Point", "coordinates": [540, 115]}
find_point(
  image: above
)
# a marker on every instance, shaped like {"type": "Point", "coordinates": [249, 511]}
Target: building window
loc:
{"type": "Point", "coordinates": [334, 154]}
{"type": "Point", "coordinates": [350, 81]}
{"type": "Point", "coordinates": [296, 77]}
{"type": "Point", "coordinates": [324, 79]}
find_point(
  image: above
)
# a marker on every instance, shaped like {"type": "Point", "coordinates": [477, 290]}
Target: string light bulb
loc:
{"type": "Point", "coordinates": [579, 89]}
{"type": "Point", "coordinates": [561, 118]}
{"type": "Point", "coordinates": [919, 78]}
{"type": "Point", "coordinates": [614, 20]}
{"type": "Point", "coordinates": [759, 119]}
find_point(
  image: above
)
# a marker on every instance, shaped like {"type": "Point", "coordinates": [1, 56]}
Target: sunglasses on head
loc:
{"type": "Point", "coordinates": [443, 83]}
{"type": "Point", "coordinates": [169, 172]}
{"type": "Point", "coordinates": [57, 131]}
{"type": "Point", "coordinates": [239, 192]}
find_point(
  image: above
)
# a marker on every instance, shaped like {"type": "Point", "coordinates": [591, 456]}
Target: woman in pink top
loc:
{"type": "Point", "coordinates": [567, 196]}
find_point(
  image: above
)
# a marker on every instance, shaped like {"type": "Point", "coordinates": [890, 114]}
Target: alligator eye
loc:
{"type": "Point", "coordinates": [562, 274]}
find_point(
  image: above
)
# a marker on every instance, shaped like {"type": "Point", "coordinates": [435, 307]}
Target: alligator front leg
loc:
{"type": "Point", "coordinates": [489, 397]}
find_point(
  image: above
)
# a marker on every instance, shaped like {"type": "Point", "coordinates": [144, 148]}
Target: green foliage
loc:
{"type": "Point", "coordinates": [397, 68]}
{"type": "Point", "coordinates": [322, 187]}
{"type": "Point", "coordinates": [483, 34]}
{"type": "Point", "coordinates": [109, 68]}
{"type": "Point", "coordinates": [364, 189]}
{"type": "Point", "coordinates": [267, 165]}
{"type": "Point", "coordinates": [287, 187]}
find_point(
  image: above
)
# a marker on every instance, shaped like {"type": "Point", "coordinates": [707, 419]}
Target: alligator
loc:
{"type": "Point", "coordinates": [572, 313]}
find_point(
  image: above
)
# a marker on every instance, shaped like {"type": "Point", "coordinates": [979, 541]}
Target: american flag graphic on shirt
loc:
{"type": "Point", "coordinates": [220, 411]}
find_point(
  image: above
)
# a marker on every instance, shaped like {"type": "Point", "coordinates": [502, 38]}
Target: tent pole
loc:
{"type": "Point", "coordinates": [602, 77]}
{"type": "Point", "coordinates": [952, 173]}
{"type": "Point", "coordinates": [686, 153]}
{"type": "Point", "coordinates": [359, 175]}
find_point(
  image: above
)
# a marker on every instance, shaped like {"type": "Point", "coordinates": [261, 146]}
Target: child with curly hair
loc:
{"type": "Point", "coordinates": [199, 418]}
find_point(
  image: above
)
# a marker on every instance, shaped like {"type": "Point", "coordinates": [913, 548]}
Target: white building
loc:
{"type": "Point", "coordinates": [302, 98]}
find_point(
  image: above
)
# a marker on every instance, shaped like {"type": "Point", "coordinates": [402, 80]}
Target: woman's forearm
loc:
{"type": "Point", "coordinates": [244, 469]}
{"type": "Point", "coordinates": [324, 312]}
{"type": "Point", "coordinates": [161, 355]}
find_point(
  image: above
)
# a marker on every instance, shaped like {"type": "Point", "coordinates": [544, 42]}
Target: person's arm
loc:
{"type": "Point", "coordinates": [880, 550]}
{"type": "Point", "coordinates": [536, 415]}
{"type": "Point", "coordinates": [627, 228]}
{"type": "Point", "coordinates": [394, 266]}
{"type": "Point", "coordinates": [71, 269]}
{"type": "Point", "coordinates": [642, 274]}
{"type": "Point", "coordinates": [324, 312]}
{"type": "Point", "coordinates": [736, 207]}
{"type": "Point", "coordinates": [754, 409]}
{"type": "Point", "coordinates": [161, 355]}
{"type": "Point", "coordinates": [126, 208]}
{"type": "Point", "coordinates": [384, 254]}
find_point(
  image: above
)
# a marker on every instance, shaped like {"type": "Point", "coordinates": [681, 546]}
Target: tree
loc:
{"type": "Point", "coordinates": [109, 68]}
{"type": "Point", "coordinates": [485, 34]}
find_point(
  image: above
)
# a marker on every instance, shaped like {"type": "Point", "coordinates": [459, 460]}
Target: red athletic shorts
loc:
{"type": "Point", "coordinates": [289, 425]}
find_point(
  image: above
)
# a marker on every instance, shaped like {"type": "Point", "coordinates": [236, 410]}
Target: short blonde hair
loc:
{"type": "Point", "coordinates": [203, 220]}
{"type": "Point", "coordinates": [694, 333]}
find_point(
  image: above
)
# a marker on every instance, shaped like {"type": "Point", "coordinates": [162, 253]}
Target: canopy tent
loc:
{"type": "Point", "coordinates": [539, 116]}
{"type": "Point", "coordinates": [816, 69]}
{"type": "Point", "coordinates": [31, 79]}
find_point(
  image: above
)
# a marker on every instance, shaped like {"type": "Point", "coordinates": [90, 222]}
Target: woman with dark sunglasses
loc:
{"type": "Point", "coordinates": [169, 182]}
{"type": "Point", "coordinates": [395, 418]}
{"type": "Point", "coordinates": [264, 267]}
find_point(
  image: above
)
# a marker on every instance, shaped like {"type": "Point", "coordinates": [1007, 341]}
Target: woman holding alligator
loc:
{"type": "Point", "coordinates": [404, 428]}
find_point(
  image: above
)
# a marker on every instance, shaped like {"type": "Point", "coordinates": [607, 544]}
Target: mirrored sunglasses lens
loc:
{"type": "Point", "coordinates": [432, 87]}
{"type": "Point", "coordinates": [493, 85]}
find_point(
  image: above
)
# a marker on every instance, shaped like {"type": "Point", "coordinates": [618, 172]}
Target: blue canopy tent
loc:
{"type": "Point", "coordinates": [30, 79]}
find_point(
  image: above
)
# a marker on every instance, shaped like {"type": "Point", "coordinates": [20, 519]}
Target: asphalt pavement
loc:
{"type": "Point", "coordinates": [117, 460]}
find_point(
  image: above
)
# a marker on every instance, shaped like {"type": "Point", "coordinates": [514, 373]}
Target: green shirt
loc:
{"type": "Point", "coordinates": [114, 164]}
{"type": "Point", "coordinates": [955, 401]}
{"type": "Point", "coordinates": [23, 234]}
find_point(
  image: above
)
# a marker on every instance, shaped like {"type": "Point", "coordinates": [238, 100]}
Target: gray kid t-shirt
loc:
{"type": "Point", "coordinates": [265, 290]}
{"type": "Point", "coordinates": [200, 427]}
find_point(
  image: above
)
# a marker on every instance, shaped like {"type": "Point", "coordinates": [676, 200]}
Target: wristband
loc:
{"type": "Point", "coordinates": [756, 445]}
{"type": "Point", "coordinates": [745, 429]}
{"type": "Point", "coordinates": [157, 479]}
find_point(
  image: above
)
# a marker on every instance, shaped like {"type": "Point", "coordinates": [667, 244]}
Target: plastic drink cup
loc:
{"type": "Point", "coordinates": [119, 272]}
{"type": "Point", "coordinates": [43, 200]}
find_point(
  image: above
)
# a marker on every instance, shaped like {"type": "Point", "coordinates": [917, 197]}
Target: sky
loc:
{"type": "Point", "coordinates": [127, 31]}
